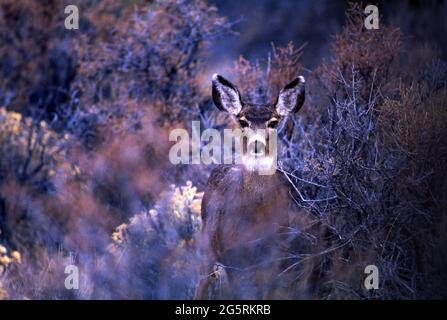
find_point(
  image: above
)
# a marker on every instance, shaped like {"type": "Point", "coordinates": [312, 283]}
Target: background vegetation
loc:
{"type": "Point", "coordinates": [84, 122]}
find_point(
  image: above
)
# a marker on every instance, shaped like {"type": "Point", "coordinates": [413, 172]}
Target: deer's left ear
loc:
{"type": "Point", "coordinates": [226, 96]}
{"type": "Point", "coordinates": [291, 98]}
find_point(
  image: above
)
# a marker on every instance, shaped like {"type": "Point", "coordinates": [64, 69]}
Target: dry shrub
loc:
{"type": "Point", "coordinates": [369, 173]}
{"type": "Point", "coordinates": [154, 253]}
{"type": "Point", "coordinates": [3, 292]}
{"type": "Point", "coordinates": [8, 261]}
{"type": "Point", "coordinates": [283, 65]}
{"type": "Point", "coordinates": [35, 68]}
{"type": "Point", "coordinates": [153, 54]}
{"type": "Point", "coordinates": [261, 81]}
{"type": "Point", "coordinates": [369, 52]}
{"type": "Point", "coordinates": [414, 134]}
{"type": "Point", "coordinates": [76, 219]}
{"type": "Point", "coordinates": [137, 160]}
{"type": "Point", "coordinates": [32, 157]}
{"type": "Point", "coordinates": [34, 152]}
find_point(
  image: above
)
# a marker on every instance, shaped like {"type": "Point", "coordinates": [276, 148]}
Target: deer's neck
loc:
{"type": "Point", "coordinates": [254, 184]}
{"type": "Point", "coordinates": [263, 166]}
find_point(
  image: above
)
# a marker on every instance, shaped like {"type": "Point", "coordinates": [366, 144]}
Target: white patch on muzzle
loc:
{"type": "Point", "coordinates": [256, 157]}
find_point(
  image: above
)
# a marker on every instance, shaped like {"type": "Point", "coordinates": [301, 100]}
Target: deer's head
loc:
{"type": "Point", "coordinates": [257, 118]}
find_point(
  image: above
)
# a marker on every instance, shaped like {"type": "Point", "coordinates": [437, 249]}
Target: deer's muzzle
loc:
{"type": "Point", "coordinates": [256, 145]}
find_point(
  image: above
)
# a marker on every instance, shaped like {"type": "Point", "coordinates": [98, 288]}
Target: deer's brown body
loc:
{"type": "Point", "coordinates": [244, 212]}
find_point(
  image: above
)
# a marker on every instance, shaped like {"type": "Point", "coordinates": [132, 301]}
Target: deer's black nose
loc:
{"type": "Point", "coordinates": [256, 148]}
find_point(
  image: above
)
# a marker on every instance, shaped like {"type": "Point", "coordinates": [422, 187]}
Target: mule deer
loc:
{"type": "Point", "coordinates": [243, 210]}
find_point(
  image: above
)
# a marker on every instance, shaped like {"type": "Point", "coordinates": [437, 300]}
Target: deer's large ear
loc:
{"type": "Point", "coordinates": [291, 98]}
{"type": "Point", "coordinates": [226, 96]}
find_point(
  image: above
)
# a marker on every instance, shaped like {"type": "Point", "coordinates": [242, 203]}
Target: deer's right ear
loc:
{"type": "Point", "coordinates": [291, 98]}
{"type": "Point", "coordinates": [226, 96]}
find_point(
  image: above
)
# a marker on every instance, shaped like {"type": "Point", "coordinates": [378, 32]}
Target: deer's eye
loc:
{"type": "Point", "coordinates": [243, 123]}
{"type": "Point", "coordinates": [273, 124]}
